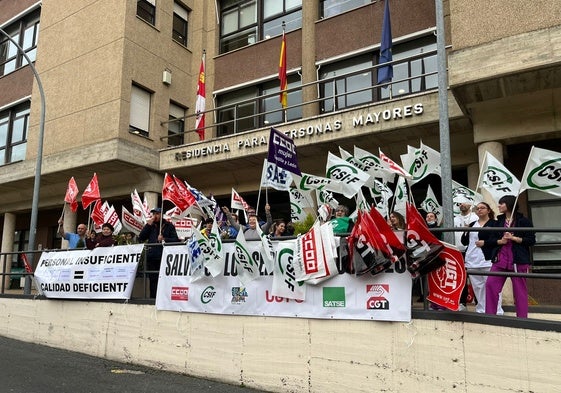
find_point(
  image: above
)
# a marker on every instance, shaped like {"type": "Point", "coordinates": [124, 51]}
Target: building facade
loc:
{"type": "Point", "coordinates": [120, 82]}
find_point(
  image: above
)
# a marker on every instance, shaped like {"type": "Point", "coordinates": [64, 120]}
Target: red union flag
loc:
{"type": "Point", "coordinates": [91, 193]}
{"type": "Point", "coordinates": [98, 215]}
{"type": "Point", "coordinates": [447, 282]}
{"type": "Point", "coordinates": [72, 194]}
{"type": "Point", "coordinates": [175, 191]}
{"type": "Point", "coordinates": [201, 102]}
{"type": "Point", "coordinates": [237, 202]}
{"type": "Point", "coordinates": [394, 167]}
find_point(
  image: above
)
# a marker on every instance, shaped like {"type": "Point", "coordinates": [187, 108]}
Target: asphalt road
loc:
{"type": "Point", "coordinates": [32, 368]}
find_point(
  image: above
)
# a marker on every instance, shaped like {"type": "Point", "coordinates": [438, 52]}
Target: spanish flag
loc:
{"type": "Point", "coordinates": [283, 98]}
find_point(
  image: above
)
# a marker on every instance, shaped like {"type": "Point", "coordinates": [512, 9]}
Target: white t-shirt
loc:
{"type": "Point", "coordinates": [463, 221]}
{"type": "Point", "coordinates": [474, 257]}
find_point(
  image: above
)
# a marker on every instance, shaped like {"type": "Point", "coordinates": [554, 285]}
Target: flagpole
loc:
{"type": "Point", "coordinates": [481, 170]}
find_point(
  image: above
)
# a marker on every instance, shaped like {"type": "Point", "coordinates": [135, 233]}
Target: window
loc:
{"type": "Point", "coordinates": [334, 7]}
{"type": "Point", "coordinates": [180, 18]}
{"type": "Point", "coordinates": [14, 124]}
{"type": "Point", "coordinates": [146, 10]}
{"type": "Point", "coordinates": [177, 127]}
{"type": "Point", "coordinates": [257, 106]}
{"type": "Point", "coordinates": [355, 75]}
{"type": "Point", "coordinates": [26, 33]}
{"type": "Point", "coordinates": [353, 81]}
{"type": "Point", "coordinates": [413, 72]}
{"type": "Point", "coordinates": [140, 111]}
{"type": "Point", "coordinates": [244, 22]}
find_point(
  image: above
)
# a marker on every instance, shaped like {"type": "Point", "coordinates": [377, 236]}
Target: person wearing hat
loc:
{"type": "Point", "coordinates": [103, 239]}
{"type": "Point", "coordinates": [156, 231]}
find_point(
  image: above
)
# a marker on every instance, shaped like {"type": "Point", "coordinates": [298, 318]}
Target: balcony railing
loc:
{"type": "Point", "coordinates": [328, 98]}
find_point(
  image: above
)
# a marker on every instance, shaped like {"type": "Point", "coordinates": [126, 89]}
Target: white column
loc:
{"type": "Point", "coordinates": [8, 232]}
{"type": "Point", "coordinates": [69, 224]}
{"type": "Point", "coordinates": [152, 199]}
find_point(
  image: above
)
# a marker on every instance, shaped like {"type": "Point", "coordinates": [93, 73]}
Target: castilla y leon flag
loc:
{"type": "Point", "coordinates": [91, 193]}
{"type": "Point", "coordinates": [283, 98]}
{"type": "Point", "coordinates": [72, 194]}
{"type": "Point", "coordinates": [201, 102]}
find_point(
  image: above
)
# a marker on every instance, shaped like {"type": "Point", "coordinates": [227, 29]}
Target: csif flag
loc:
{"type": "Point", "coordinates": [200, 104]}
{"type": "Point", "coordinates": [72, 194]}
{"type": "Point", "coordinates": [496, 179]}
{"type": "Point", "coordinates": [91, 193]}
{"type": "Point", "coordinates": [542, 172]}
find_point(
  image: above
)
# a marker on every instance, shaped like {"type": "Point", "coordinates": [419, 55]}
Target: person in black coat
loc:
{"type": "Point", "coordinates": [152, 233]}
{"type": "Point", "coordinates": [512, 255]}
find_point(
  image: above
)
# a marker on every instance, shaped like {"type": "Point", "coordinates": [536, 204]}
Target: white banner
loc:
{"type": "Point", "coordinates": [383, 297]}
{"type": "Point", "coordinates": [102, 273]}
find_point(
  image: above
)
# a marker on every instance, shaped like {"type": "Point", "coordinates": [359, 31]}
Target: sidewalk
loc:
{"type": "Point", "coordinates": [32, 368]}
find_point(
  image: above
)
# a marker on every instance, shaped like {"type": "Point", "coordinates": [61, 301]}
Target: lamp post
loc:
{"type": "Point", "coordinates": [444, 126]}
{"type": "Point", "coordinates": [37, 181]}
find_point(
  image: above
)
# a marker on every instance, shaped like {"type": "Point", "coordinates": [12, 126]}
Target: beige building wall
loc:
{"type": "Point", "coordinates": [295, 354]}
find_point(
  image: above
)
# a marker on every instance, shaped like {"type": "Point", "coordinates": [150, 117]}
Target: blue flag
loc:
{"type": "Point", "coordinates": [385, 73]}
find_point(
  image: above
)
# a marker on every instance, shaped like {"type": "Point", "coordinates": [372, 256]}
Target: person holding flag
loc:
{"type": "Point", "coordinates": [75, 240]}
{"type": "Point", "coordinates": [251, 232]}
{"type": "Point", "coordinates": [513, 255]}
{"type": "Point", "coordinates": [155, 232]}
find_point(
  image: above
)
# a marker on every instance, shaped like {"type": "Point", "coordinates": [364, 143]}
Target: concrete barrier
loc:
{"type": "Point", "coordinates": [296, 355]}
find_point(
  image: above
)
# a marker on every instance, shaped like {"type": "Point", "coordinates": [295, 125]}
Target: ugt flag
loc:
{"type": "Point", "coordinates": [91, 193]}
{"type": "Point", "coordinates": [542, 172]}
{"type": "Point", "coordinates": [282, 152]}
{"type": "Point", "coordinates": [72, 194]}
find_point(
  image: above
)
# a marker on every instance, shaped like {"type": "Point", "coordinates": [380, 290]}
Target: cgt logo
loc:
{"type": "Point", "coordinates": [377, 303]}
{"type": "Point", "coordinates": [180, 293]}
{"type": "Point", "coordinates": [208, 294]}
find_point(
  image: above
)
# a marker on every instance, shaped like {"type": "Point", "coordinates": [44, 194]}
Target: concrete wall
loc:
{"type": "Point", "coordinates": [297, 355]}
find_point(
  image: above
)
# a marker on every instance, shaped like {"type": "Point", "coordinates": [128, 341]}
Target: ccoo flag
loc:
{"type": "Point", "coordinates": [282, 152]}
{"type": "Point", "coordinates": [385, 72]}
{"type": "Point", "coordinates": [542, 172]}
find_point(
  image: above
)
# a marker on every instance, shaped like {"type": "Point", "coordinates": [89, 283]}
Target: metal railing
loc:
{"type": "Point", "coordinates": [259, 115]}
{"type": "Point", "coordinates": [541, 323]}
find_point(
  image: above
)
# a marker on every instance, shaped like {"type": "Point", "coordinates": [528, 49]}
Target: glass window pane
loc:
{"type": "Point", "coordinates": [226, 116]}
{"type": "Point", "coordinates": [273, 27]}
{"type": "Point", "coordinates": [248, 15]}
{"type": "Point", "coordinates": [230, 22]}
{"type": "Point", "coordinates": [290, 4]}
{"type": "Point", "coordinates": [358, 82]}
{"type": "Point", "coordinates": [28, 37]}
{"type": "Point", "coordinates": [18, 152]}
{"type": "Point", "coordinates": [2, 156]}
{"type": "Point", "coordinates": [3, 133]}
{"type": "Point", "coordinates": [272, 7]}
{"type": "Point", "coordinates": [12, 49]}
{"type": "Point", "coordinates": [18, 131]}
{"type": "Point", "coordinates": [246, 110]}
